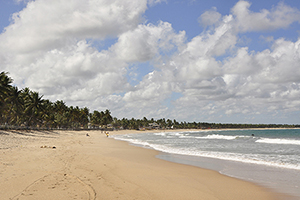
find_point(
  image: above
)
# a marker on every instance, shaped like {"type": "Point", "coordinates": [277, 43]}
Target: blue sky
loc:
{"type": "Point", "coordinates": [190, 60]}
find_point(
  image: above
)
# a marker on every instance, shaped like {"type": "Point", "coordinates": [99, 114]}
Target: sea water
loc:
{"type": "Point", "coordinates": [270, 158]}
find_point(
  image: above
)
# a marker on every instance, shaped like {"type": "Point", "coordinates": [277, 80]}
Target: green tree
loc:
{"type": "Point", "coordinates": [169, 123]}
{"type": "Point", "coordinates": [49, 114]}
{"type": "Point", "coordinates": [95, 118]}
{"type": "Point", "coordinates": [5, 87]}
{"type": "Point", "coordinates": [15, 106]}
{"type": "Point", "coordinates": [84, 117]}
{"type": "Point", "coordinates": [60, 114]}
{"type": "Point", "coordinates": [34, 108]}
{"type": "Point", "coordinates": [125, 123]}
{"type": "Point", "coordinates": [107, 118]}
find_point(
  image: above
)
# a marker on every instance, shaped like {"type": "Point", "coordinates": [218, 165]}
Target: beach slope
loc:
{"type": "Point", "coordinates": [71, 165]}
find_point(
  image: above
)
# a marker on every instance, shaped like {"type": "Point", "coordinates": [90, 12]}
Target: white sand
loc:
{"type": "Point", "coordinates": [97, 167]}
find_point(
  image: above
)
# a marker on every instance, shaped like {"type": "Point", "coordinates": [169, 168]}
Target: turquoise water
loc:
{"type": "Point", "coordinates": [268, 157]}
{"type": "Point", "coordinates": [280, 148]}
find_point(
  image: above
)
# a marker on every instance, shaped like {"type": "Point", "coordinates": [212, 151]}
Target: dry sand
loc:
{"type": "Point", "coordinates": [70, 165]}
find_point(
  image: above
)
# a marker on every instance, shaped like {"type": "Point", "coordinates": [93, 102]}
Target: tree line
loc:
{"type": "Point", "coordinates": [28, 109]}
{"type": "Point", "coordinates": [173, 124]}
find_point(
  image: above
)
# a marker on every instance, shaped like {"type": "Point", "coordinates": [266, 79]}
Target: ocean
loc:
{"type": "Point", "coordinates": [270, 158]}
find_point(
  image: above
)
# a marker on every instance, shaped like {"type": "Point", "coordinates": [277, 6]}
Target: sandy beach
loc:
{"type": "Point", "coordinates": [70, 165]}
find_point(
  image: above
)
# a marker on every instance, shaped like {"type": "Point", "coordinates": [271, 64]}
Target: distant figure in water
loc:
{"type": "Point", "coordinates": [252, 134]}
{"type": "Point", "coordinates": [87, 134]}
{"type": "Point", "coordinates": [107, 134]}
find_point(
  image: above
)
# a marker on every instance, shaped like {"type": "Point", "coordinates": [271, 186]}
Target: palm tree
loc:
{"type": "Point", "coordinates": [74, 119]}
{"type": "Point", "coordinates": [5, 86]}
{"type": "Point", "coordinates": [169, 123]}
{"type": "Point", "coordinates": [49, 114]}
{"type": "Point", "coordinates": [84, 117]}
{"type": "Point", "coordinates": [107, 117]}
{"type": "Point", "coordinates": [34, 108]}
{"type": "Point", "coordinates": [95, 118]}
{"type": "Point", "coordinates": [15, 106]}
{"type": "Point", "coordinates": [61, 114]}
{"type": "Point", "coordinates": [125, 123]}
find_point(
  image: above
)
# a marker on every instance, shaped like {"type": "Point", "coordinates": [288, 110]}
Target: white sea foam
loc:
{"type": "Point", "coordinates": [225, 156]}
{"type": "Point", "coordinates": [278, 141]}
{"type": "Point", "coordinates": [160, 133]}
{"type": "Point", "coordinates": [133, 141]}
{"type": "Point", "coordinates": [185, 136]}
{"type": "Point", "coordinates": [195, 145]}
{"type": "Point", "coordinates": [219, 137]}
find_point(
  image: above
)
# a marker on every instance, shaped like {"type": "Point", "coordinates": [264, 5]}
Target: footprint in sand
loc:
{"type": "Point", "coordinates": [57, 186]}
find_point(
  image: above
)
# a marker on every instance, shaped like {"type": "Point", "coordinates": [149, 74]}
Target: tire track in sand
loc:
{"type": "Point", "coordinates": [57, 186]}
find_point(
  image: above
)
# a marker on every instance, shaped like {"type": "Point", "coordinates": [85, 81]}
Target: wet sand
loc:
{"type": "Point", "coordinates": [71, 165]}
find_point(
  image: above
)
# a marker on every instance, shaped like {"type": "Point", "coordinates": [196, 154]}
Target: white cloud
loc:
{"type": "Point", "coordinates": [241, 63]}
{"type": "Point", "coordinates": [146, 41]}
{"type": "Point", "coordinates": [45, 47]}
{"type": "Point", "coordinates": [281, 16]}
{"type": "Point", "coordinates": [55, 54]}
{"type": "Point", "coordinates": [154, 2]}
{"type": "Point", "coordinates": [281, 65]}
{"type": "Point", "coordinates": [244, 83]}
{"type": "Point", "coordinates": [20, 1]}
{"type": "Point", "coordinates": [44, 25]}
{"type": "Point", "coordinates": [215, 43]}
{"type": "Point", "coordinates": [77, 73]}
{"type": "Point", "coordinates": [210, 17]}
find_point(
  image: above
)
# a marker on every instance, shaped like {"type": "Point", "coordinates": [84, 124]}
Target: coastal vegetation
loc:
{"type": "Point", "coordinates": [27, 109]}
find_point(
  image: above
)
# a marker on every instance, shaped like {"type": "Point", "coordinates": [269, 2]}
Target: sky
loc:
{"type": "Point", "coordinates": [191, 60]}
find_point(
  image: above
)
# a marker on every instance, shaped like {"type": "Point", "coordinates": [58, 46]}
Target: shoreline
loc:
{"type": "Point", "coordinates": [261, 175]}
{"type": "Point", "coordinates": [97, 167]}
